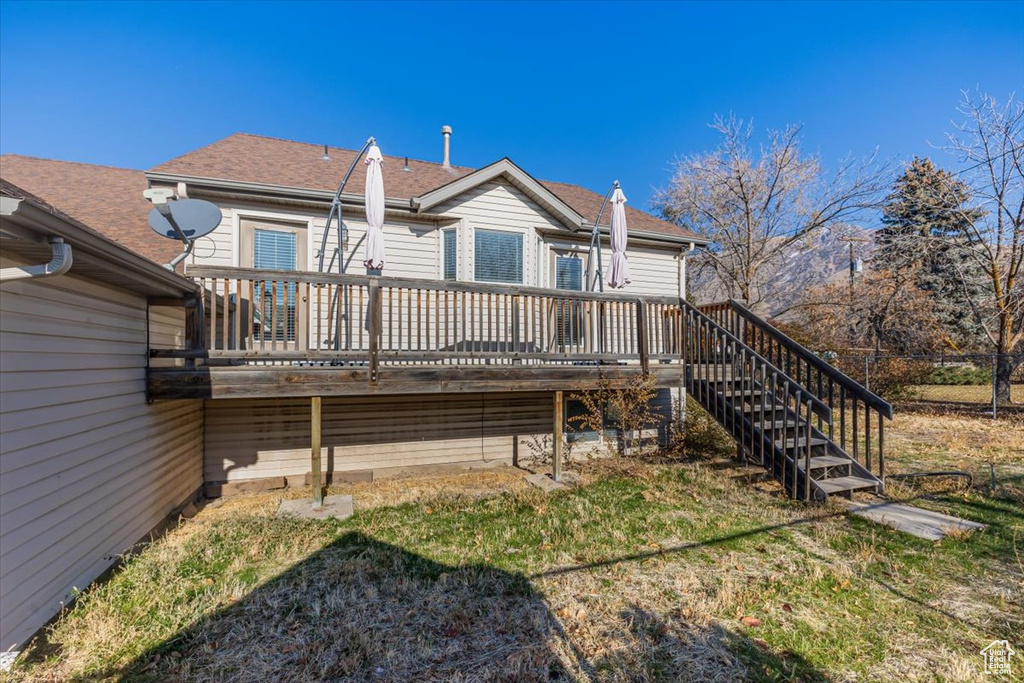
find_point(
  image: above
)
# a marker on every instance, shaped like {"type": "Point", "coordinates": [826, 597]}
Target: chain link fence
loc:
{"type": "Point", "coordinates": [964, 381]}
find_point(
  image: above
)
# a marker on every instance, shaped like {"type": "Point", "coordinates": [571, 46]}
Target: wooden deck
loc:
{"type": "Point", "coordinates": [254, 381]}
{"type": "Point", "coordinates": [268, 334]}
{"type": "Point", "coordinates": [275, 333]}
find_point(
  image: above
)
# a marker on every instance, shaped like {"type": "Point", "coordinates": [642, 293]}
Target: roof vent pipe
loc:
{"type": "Point", "coordinates": [406, 167]}
{"type": "Point", "coordinates": [446, 131]}
{"type": "Point", "coordinates": [59, 264]}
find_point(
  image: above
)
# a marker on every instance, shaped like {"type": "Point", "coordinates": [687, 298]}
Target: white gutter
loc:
{"type": "Point", "coordinates": [25, 220]}
{"type": "Point", "coordinates": [59, 264]}
{"type": "Point", "coordinates": [60, 259]}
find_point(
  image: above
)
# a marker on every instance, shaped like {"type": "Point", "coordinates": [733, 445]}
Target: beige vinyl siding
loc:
{"type": "Point", "coordinates": [498, 205]}
{"type": "Point", "coordinates": [411, 246]}
{"type": "Point", "coordinates": [253, 439]}
{"type": "Point", "coordinates": [87, 468]}
{"type": "Point", "coordinates": [166, 331]}
{"type": "Point", "coordinates": [261, 438]}
{"type": "Point", "coordinates": [651, 271]}
{"type": "Point", "coordinates": [414, 248]}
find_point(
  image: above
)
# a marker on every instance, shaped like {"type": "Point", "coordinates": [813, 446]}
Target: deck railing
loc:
{"type": "Point", "coordinates": [757, 402]}
{"type": "Point", "coordinates": [861, 414]}
{"type": "Point", "coordinates": [273, 317]}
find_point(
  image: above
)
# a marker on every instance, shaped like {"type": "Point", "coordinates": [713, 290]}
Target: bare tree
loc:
{"type": "Point", "coordinates": [883, 308]}
{"type": "Point", "coordinates": [756, 208]}
{"type": "Point", "coordinates": [991, 142]}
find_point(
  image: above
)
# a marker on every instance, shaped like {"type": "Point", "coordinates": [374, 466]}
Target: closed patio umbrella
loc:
{"type": "Point", "coordinates": [618, 275]}
{"type": "Point", "coordinates": [374, 210]}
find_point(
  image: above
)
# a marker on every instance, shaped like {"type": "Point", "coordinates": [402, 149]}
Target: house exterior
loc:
{"type": "Point", "coordinates": [433, 211]}
{"type": "Point", "coordinates": [496, 224]}
{"type": "Point", "coordinates": [92, 460]}
{"type": "Point", "coordinates": [126, 388]}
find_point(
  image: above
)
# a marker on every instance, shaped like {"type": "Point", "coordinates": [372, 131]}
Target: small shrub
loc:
{"type": "Point", "coordinates": [622, 406]}
{"type": "Point", "coordinates": [701, 435]}
{"type": "Point", "coordinates": [542, 452]}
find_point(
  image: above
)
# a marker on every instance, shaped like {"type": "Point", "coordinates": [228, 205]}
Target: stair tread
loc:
{"type": "Point", "coordinates": [745, 392]}
{"type": "Point", "coordinates": [819, 461]}
{"type": "Point", "coordinates": [768, 408]}
{"type": "Point", "coordinates": [802, 441]}
{"type": "Point", "coordinates": [849, 483]}
{"type": "Point", "coordinates": [779, 424]}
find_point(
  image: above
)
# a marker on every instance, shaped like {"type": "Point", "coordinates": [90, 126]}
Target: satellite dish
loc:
{"type": "Point", "coordinates": [194, 217]}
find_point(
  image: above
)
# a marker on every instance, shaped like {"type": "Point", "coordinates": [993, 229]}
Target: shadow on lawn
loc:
{"type": "Point", "coordinates": [667, 649]}
{"type": "Point", "coordinates": [362, 610]}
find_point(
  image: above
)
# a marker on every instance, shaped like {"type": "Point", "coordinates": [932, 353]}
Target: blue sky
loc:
{"type": "Point", "coordinates": [577, 92]}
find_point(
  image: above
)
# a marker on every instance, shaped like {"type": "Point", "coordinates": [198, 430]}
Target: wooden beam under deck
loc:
{"type": "Point", "coordinates": [263, 381]}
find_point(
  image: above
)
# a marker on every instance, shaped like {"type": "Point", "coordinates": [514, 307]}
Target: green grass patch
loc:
{"type": "Point", "coordinates": [653, 573]}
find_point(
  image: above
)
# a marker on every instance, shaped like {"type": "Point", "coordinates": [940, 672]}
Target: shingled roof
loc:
{"type": "Point", "coordinates": [285, 163]}
{"type": "Point", "coordinates": [107, 199]}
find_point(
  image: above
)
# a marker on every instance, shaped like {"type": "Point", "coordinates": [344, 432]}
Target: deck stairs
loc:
{"type": "Point", "coordinates": [813, 434]}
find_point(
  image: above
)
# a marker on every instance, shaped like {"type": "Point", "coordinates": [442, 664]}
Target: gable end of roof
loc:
{"type": "Point", "coordinates": [507, 169]}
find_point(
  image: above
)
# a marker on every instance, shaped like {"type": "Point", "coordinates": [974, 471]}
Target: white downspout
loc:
{"type": "Point", "coordinates": [680, 412]}
{"type": "Point", "coordinates": [682, 269]}
{"type": "Point", "coordinates": [59, 264]}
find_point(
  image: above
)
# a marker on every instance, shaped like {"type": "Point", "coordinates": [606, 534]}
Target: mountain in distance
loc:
{"type": "Point", "coordinates": [822, 259]}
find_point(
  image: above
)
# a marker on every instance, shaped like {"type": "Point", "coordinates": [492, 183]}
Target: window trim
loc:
{"type": "Point", "coordinates": [238, 216]}
{"type": "Point", "coordinates": [247, 224]}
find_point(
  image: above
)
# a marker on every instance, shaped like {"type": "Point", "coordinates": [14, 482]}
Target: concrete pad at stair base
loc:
{"type": "Point", "coordinates": [338, 507]}
{"type": "Point", "coordinates": [926, 524]}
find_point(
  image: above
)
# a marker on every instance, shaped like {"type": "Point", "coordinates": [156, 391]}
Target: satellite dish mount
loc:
{"type": "Point", "coordinates": [185, 220]}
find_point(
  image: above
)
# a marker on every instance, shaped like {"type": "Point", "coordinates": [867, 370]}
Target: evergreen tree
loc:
{"type": "Point", "coordinates": [926, 219]}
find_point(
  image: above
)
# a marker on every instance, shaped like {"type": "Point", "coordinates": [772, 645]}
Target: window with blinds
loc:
{"type": "Point", "coordinates": [498, 257]}
{"type": "Point", "coordinates": [568, 272]}
{"type": "Point", "coordinates": [273, 250]}
{"type": "Point", "coordinates": [569, 275]}
{"type": "Point", "coordinates": [275, 305]}
{"type": "Point", "coordinates": [449, 255]}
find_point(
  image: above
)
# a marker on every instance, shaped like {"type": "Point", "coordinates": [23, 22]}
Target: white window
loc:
{"type": "Point", "coordinates": [449, 254]}
{"type": "Point", "coordinates": [568, 271]}
{"type": "Point", "coordinates": [498, 256]}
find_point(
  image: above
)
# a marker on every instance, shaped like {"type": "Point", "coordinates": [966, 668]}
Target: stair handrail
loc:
{"type": "Point", "coordinates": [859, 390]}
{"type": "Point", "coordinates": [821, 408]}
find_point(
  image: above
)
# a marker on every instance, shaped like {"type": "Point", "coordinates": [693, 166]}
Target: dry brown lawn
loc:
{"type": "Point", "coordinates": [688, 570]}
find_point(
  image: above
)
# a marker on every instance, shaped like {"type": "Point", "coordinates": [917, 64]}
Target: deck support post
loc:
{"type": "Point", "coordinates": [194, 318]}
{"type": "Point", "coordinates": [556, 457]}
{"type": "Point", "coordinates": [642, 335]}
{"type": "Point", "coordinates": [314, 414]}
{"type": "Point", "coordinates": [376, 326]}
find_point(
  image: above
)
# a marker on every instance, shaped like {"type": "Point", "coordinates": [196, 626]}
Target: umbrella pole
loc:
{"type": "Point", "coordinates": [595, 244]}
{"type": "Point", "coordinates": [336, 210]}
